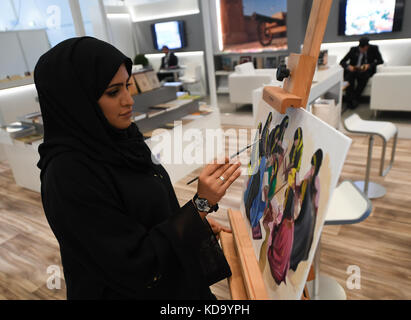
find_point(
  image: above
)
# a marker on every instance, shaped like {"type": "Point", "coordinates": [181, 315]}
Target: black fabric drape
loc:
{"type": "Point", "coordinates": [69, 79]}
{"type": "Point", "coordinates": [121, 231]}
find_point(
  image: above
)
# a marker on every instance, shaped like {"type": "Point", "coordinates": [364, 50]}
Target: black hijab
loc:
{"type": "Point", "coordinates": [70, 78]}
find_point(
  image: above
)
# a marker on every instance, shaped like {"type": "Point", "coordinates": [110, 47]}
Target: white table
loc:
{"type": "Point", "coordinates": [23, 157]}
{"type": "Point", "coordinates": [174, 71]}
{"type": "Point", "coordinates": [327, 83]}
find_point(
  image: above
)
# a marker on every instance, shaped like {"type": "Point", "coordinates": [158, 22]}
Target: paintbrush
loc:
{"type": "Point", "coordinates": [231, 157]}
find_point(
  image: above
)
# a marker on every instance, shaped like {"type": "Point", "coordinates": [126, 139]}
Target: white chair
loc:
{"type": "Point", "coordinates": [348, 205]}
{"type": "Point", "coordinates": [390, 89]}
{"type": "Point", "coordinates": [385, 130]}
{"type": "Point", "coordinates": [192, 76]}
{"type": "Point", "coordinates": [245, 80]}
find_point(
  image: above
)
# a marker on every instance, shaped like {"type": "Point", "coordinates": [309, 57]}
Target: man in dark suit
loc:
{"type": "Point", "coordinates": [359, 64]}
{"type": "Point", "coordinates": [169, 61]}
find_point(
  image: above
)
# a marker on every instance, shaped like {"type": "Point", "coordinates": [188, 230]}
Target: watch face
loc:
{"type": "Point", "coordinates": [202, 205]}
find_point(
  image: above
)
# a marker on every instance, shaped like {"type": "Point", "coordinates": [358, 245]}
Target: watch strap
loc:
{"type": "Point", "coordinates": [212, 209]}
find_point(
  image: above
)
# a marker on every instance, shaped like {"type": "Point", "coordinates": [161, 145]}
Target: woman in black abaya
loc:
{"type": "Point", "coordinates": [121, 231]}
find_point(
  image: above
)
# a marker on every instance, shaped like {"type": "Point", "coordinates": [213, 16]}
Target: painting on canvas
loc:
{"type": "Point", "coordinates": [294, 168]}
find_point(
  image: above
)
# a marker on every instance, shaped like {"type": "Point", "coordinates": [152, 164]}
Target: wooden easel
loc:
{"type": "Point", "coordinates": [246, 282]}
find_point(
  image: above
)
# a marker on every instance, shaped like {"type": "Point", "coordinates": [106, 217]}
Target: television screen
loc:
{"type": "Point", "coordinates": [170, 34]}
{"type": "Point", "coordinates": [370, 16]}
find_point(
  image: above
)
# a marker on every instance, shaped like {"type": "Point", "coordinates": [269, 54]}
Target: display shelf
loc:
{"type": "Point", "coordinates": [223, 73]}
{"type": "Point", "coordinates": [16, 83]}
{"type": "Point", "coordinates": [222, 90]}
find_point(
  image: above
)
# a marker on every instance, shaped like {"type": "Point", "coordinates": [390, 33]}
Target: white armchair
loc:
{"type": "Point", "coordinates": [245, 80]}
{"type": "Point", "coordinates": [390, 89]}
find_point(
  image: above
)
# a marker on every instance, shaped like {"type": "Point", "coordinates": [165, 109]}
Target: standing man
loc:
{"type": "Point", "coordinates": [359, 64]}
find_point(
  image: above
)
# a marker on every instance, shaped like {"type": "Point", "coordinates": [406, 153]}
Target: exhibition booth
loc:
{"type": "Point", "coordinates": [206, 70]}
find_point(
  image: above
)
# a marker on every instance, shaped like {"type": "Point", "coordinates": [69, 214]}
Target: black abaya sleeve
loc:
{"type": "Point", "coordinates": [95, 232]}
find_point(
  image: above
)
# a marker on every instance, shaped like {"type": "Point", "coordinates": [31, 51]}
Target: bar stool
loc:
{"type": "Point", "coordinates": [385, 130]}
{"type": "Point", "coordinates": [348, 205]}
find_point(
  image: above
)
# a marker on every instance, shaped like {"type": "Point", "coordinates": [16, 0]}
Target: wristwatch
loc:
{"type": "Point", "coordinates": [203, 205]}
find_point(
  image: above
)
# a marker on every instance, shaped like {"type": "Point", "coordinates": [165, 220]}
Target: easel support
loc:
{"type": "Point", "coordinates": [296, 88]}
{"type": "Point", "coordinates": [246, 281]}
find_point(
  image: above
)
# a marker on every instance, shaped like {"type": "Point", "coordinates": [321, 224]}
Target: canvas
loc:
{"type": "Point", "coordinates": [294, 168]}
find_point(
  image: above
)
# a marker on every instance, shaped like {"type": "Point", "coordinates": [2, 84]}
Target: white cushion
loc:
{"type": "Point", "coordinates": [357, 125]}
{"type": "Point", "coordinates": [391, 91]}
{"type": "Point", "coordinates": [245, 68]}
{"type": "Point", "coordinates": [393, 69]}
{"type": "Point", "coordinates": [347, 205]}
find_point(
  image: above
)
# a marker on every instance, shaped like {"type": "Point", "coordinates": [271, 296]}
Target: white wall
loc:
{"type": "Point", "coordinates": [20, 50]}
{"type": "Point", "coordinates": [15, 102]}
{"type": "Point", "coordinates": [122, 33]}
{"type": "Point", "coordinates": [162, 9]}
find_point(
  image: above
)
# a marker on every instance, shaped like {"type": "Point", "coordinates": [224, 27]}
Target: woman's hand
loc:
{"type": "Point", "coordinates": [217, 228]}
{"type": "Point", "coordinates": [211, 186]}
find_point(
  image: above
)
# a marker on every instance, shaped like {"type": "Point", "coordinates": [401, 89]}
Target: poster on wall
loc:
{"type": "Point", "coordinates": [294, 167]}
{"type": "Point", "coordinates": [253, 25]}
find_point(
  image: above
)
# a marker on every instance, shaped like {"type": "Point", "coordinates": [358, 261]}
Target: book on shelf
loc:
{"type": "Point", "coordinates": [193, 116]}
{"type": "Point", "coordinates": [20, 129]}
{"type": "Point", "coordinates": [142, 82]}
{"type": "Point", "coordinates": [34, 117]}
{"type": "Point", "coordinates": [138, 115]}
{"type": "Point", "coordinates": [31, 138]}
{"type": "Point", "coordinates": [186, 121]}
{"type": "Point", "coordinates": [189, 97]}
{"type": "Point", "coordinates": [180, 94]}
{"type": "Point", "coordinates": [244, 59]}
{"type": "Point", "coordinates": [133, 88]}
{"type": "Point", "coordinates": [153, 79]}
{"type": "Point", "coordinates": [161, 106]}
{"type": "Point", "coordinates": [205, 107]}
{"type": "Point", "coordinates": [154, 113]}
{"type": "Point", "coordinates": [271, 62]}
{"type": "Point", "coordinates": [259, 62]}
{"type": "Point", "coordinates": [170, 125]}
{"type": "Point", "coordinates": [226, 63]}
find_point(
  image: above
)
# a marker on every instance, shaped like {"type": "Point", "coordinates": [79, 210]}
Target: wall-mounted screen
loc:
{"type": "Point", "coordinates": [170, 34]}
{"type": "Point", "coordinates": [370, 16]}
{"type": "Point", "coordinates": [252, 25]}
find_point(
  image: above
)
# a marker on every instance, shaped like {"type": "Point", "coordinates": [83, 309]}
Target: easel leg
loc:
{"type": "Point", "coordinates": [316, 286]}
{"type": "Point", "coordinates": [306, 292]}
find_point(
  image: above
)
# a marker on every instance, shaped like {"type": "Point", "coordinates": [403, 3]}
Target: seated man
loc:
{"type": "Point", "coordinates": [169, 61]}
{"type": "Point", "coordinates": [359, 64]}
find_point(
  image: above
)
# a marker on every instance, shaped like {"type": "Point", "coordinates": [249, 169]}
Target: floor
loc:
{"type": "Point", "coordinates": [380, 245]}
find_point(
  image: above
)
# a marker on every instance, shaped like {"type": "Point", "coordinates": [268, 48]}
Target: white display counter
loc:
{"type": "Point", "coordinates": [327, 83]}
{"type": "Point", "coordinates": [23, 158]}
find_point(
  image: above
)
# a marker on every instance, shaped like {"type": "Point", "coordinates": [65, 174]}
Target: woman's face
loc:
{"type": "Point", "coordinates": [116, 102]}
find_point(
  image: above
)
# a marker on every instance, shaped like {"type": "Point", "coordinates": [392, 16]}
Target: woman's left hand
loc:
{"type": "Point", "coordinates": [216, 227]}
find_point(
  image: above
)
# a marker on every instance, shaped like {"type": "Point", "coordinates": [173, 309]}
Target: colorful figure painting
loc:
{"type": "Point", "coordinates": [294, 167]}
